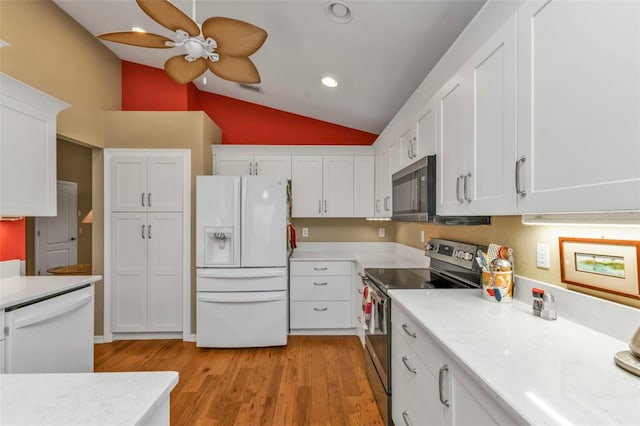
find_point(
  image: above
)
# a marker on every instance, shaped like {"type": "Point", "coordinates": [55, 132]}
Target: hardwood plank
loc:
{"type": "Point", "coordinates": [314, 380]}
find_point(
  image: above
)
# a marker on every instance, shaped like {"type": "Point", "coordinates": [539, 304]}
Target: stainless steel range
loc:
{"type": "Point", "coordinates": [452, 266]}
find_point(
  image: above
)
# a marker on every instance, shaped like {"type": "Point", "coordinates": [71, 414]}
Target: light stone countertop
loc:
{"type": "Point", "coordinates": [21, 289]}
{"type": "Point", "coordinates": [82, 399]}
{"type": "Point", "coordinates": [365, 255]}
{"type": "Point", "coordinates": [543, 372]}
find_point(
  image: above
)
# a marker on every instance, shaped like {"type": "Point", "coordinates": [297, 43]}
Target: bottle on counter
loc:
{"type": "Point", "coordinates": [548, 307]}
{"type": "Point", "coordinates": [538, 301]}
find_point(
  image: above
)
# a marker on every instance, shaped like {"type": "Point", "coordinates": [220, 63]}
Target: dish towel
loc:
{"type": "Point", "coordinates": [366, 306]}
{"type": "Point", "coordinates": [292, 236]}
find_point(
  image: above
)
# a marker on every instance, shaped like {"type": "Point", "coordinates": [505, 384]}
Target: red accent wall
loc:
{"type": "Point", "coordinates": [12, 240]}
{"type": "Point", "coordinates": [150, 89]}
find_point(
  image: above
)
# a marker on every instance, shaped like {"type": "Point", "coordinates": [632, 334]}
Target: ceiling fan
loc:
{"type": "Point", "coordinates": [223, 46]}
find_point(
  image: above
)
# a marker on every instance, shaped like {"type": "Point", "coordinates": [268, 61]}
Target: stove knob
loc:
{"type": "Point", "coordinates": [428, 247]}
{"type": "Point", "coordinates": [468, 256]}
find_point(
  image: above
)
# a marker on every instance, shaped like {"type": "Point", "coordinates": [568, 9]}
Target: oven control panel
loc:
{"type": "Point", "coordinates": [454, 252]}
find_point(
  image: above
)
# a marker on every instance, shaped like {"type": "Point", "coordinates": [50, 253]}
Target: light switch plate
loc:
{"type": "Point", "coordinates": [542, 255]}
{"type": "Point", "coordinates": [305, 232]}
{"type": "Point", "coordinates": [381, 232]}
{"type": "Point", "coordinates": [422, 236]}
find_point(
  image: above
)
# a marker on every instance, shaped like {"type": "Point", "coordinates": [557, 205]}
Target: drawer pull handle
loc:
{"type": "Point", "coordinates": [405, 361]}
{"type": "Point", "coordinates": [443, 369]}
{"type": "Point", "coordinates": [320, 309]}
{"type": "Point", "coordinates": [315, 283]}
{"type": "Point", "coordinates": [405, 327]}
{"type": "Point", "coordinates": [360, 291]}
{"type": "Point", "coordinates": [405, 418]}
{"type": "Point", "coordinates": [320, 269]}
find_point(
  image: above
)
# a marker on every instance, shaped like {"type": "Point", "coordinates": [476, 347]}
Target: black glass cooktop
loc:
{"type": "Point", "coordinates": [410, 278]}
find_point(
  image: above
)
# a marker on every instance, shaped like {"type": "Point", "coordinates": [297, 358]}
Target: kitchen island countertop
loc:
{"type": "Point", "coordinates": [22, 289]}
{"type": "Point", "coordinates": [542, 372]}
{"type": "Point", "coordinates": [84, 398]}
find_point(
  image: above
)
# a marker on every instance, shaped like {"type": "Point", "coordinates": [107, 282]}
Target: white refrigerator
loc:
{"type": "Point", "coordinates": [241, 260]}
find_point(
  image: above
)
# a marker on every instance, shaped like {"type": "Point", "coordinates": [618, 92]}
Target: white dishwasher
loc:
{"type": "Point", "coordinates": [51, 335]}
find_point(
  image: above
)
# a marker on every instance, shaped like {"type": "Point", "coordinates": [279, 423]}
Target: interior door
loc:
{"type": "Point", "coordinates": [57, 236]}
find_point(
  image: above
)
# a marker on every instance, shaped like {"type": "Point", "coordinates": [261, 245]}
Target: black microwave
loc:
{"type": "Point", "coordinates": [414, 191]}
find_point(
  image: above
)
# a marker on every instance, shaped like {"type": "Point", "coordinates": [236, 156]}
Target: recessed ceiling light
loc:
{"type": "Point", "coordinates": [329, 81]}
{"type": "Point", "coordinates": [4, 43]}
{"type": "Point", "coordinates": [338, 11]}
{"type": "Point", "coordinates": [138, 30]}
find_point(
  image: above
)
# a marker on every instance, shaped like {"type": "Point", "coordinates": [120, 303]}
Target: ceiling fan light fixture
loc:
{"type": "Point", "coordinates": [338, 11]}
{"type": "Point", "coordinates": [329, 81]}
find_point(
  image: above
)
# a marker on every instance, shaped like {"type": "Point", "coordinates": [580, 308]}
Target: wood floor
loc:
{"type": "Point", "coordinates": [314, 380]}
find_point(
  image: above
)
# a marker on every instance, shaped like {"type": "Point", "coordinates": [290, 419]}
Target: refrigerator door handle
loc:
{"type": "Point", "coordinates": [267, 296]}
{"type": "Point", "coordinates": [240, 273]}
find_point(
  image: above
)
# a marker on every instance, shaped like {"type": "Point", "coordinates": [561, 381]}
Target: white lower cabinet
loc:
{"type": "Point", "coordinates": [146, 253]}
{"type": "Point", "coordinates": [320, 295]}
{"type": "Point", "coordinates": [428, 387]}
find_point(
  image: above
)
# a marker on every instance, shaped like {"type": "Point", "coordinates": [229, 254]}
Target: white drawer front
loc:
{"type": "Point", "coordinates": [320, 268]}
{"type": "Point", "coordinates": [416, 398]}
{"type": "Point", "coordinates": [325, 287]}
{"type": "Point", "coordinates": [427, 349]}
{"type": "Point", "coordinates": [321, 314]}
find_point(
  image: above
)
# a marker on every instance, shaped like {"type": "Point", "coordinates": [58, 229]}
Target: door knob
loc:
{"type": "Point", "coordinates": [73, 238]}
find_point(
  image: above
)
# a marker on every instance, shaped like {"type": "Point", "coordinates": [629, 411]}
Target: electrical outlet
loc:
{"type": "Point", "coordinates": [305, 232]}
{"type": "Point", "coordinates": [542, 255]}
{"type": "Point", "coordinates": [422, 236]}
{"type": "Point", "coordinates": [380, 232]}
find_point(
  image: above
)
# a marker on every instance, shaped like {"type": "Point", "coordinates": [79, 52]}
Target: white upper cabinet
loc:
{"type": "Point", "coordinates": [248, 164]}
{"type": "Point", "coordinates": [425, 139]}
{"type": "Point", "coordinates": [383, 188]}
{"type": "Point", "coordinates": [323, 186]}
{"type": "Point", "coordinates": [476, 138]}
{"type": "Point", "coordinates": [27, 149]}
{"type": "Point", "coordinates": [337, 186]}
{"type": "Point", "coordinates": [147, 183]}
{"type": "Point", "coordinates": [579, 106]}
{"type": "Point", "coordinates": [450, 147]}
{"type": "Point", "coordinates": [363, 186]}
{"type": "Point", "coordinates": [306, 186]}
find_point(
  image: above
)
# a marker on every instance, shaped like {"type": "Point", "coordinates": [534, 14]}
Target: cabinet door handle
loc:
{"type": "Point", "coordinates": [320, 269]}
{"type": "Point", "coordinates": [378, 205]}
{"type": "Point", "coordinates": [386, 204]}
{"type": "Point", "coordinates": [405, 327]}
{"type": "Point", "coordinates": [519, 190]}
{"type": "Point", "coordinates": [319, 206]}
{"type": "Point", "coordinates": [459, 194]}
{"type": "Point", "coordinates": [255, 168]}
{"type": "Point", "coordinates": [413, 147]}
{"type": "Point", "coordinates": [325, 206]}
{"type": "Point", "coordinates": [149, 199]}
{"type": "Point", "coordinates": [142, 199]}
{"type": "Point", "coordinates": [320, 309]}
{"type": "Point", "coordinates": [465, 188]}
{"type": "Point", "coordinates": [408, 366]}
{"type": "Point", "coordinates": [143, 231]}
{"type": "Point", "coordinates": [405, 418]}
{"type": "Point", "coordinates": [250, 168]}
{"type": "Point", "coordinates": [360, 291]}
{"type": "Point", "coordinates": [315, 283]}
{"type": "Point", "coordinates": [149, 232]}
{"type": "Point", "coordinates": [443, 369]}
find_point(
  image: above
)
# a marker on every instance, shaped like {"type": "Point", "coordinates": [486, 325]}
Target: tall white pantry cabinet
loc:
{"type": "Point", "coordinates": [147, 209]}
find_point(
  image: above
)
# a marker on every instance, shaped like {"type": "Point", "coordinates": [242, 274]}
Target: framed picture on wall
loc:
{"type": "Point", "coordinates": [606, 265]}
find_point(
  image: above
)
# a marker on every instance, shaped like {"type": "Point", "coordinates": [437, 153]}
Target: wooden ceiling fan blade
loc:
{"type": "Point", "coordinates": [134, 38]}
{"type": "Point", "coordinates": [169, 16]}
{"type": "Point", "coordinates": [182, 71]}
{"type": "Point", "coordinates": [234, 38]}
{"type": "Point", "coordinates": [240, 70]}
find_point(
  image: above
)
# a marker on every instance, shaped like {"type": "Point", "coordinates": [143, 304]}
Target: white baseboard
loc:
{"type": "Point", "coordinates": [324, 332]}
{"type": "Point", "coordinates": [98, 339]}
{"type": "Point", "coordinates": [147, 336]}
